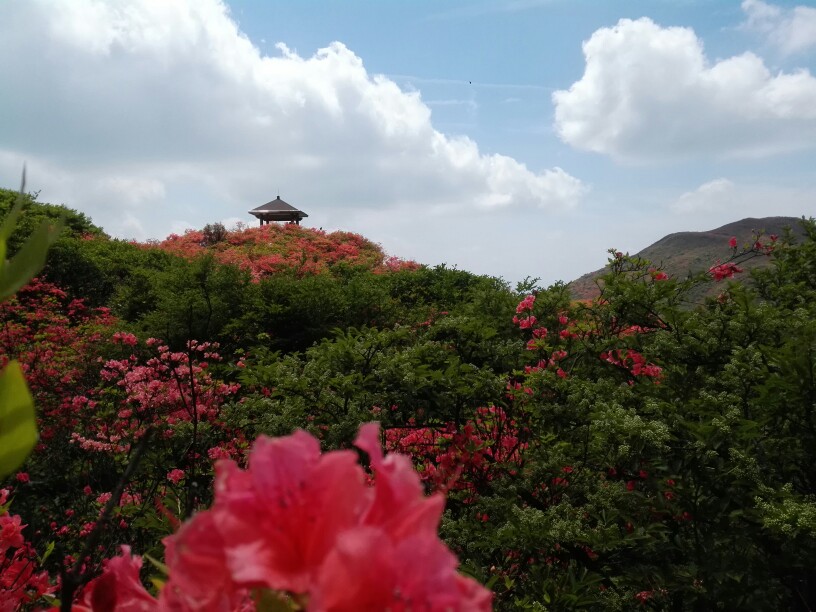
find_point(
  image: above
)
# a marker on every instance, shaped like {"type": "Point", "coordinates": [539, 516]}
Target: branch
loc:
{"type": "Point", "coordinates": [75, 578]}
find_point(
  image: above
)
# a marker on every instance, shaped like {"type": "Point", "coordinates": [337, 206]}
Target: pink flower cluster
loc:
{"type": "Point", "coordinates": [166, 389]}
{"type": "Point", "coordinates": [51, 336]}
{"type": "Point", "coordinates": [460, 459]}
{"type": "Point", "coordinates": [525, 322]}
{"type": "Point", "coordinates": [273, 249]}
{"type": "Point", "coordinates": [525, 304]}
{"type": "Point", "coordinates": [634, 362]}
{"type": "Point", "coordinates": [306, 526]}
{"type": "Point", "coordinates": [722, 271]}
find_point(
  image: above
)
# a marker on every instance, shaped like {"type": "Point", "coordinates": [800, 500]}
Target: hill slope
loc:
{"type": "Point", "coordinates": [684, 252]}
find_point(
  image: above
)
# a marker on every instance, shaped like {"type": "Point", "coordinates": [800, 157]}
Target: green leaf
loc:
{"type": "Point", "coordinates": [492, 582]}
{"type": "Point", "coordinates": [157, 564]}
{"type": "Point", "coordinates": [18, 424]}
{"type": "Point", "coordinates": [48, 550]}
{"type": "Point", "coordinates": [29, 260]}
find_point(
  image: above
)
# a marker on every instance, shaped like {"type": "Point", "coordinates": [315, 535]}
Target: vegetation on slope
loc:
{"type": "Point", "coordinates": [289, 248]}
{"type": "Point", "coordinates": [630, 452]}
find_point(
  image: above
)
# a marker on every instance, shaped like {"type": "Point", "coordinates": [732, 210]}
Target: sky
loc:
{"type": "Point", "coordinates": [516, 138]}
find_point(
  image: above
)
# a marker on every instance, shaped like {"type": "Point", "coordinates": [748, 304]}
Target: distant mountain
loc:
{"type": "Point", "coordinates": [684, 252]}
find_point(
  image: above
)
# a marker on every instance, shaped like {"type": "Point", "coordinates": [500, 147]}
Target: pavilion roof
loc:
{"type": "Point", "coordinates": [276, 206]}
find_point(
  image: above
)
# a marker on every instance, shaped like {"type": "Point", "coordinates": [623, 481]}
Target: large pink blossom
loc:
{"type": "Point", "coordinates": [118, 588]}
{"type": "Point", "coordinates": [11, 532]}
{"type": "Point", "coordinates": [199, 576]}
{"type": "Point", "coordinates": [281, 517]}
{"type": "Point", "coordinates": [305, 524]}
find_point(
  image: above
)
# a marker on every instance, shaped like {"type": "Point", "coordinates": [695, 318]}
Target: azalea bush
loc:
{"type": "Point", "coordinates": [273, 248]}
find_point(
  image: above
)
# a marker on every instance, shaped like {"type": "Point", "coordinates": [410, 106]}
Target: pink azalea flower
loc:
{"type": "Point", "coordinates": [281, 517]}
{"type": "Point", "coordinates": [11, 529]}
{"type": "Point", "coordinates": [723, 271]}
{"type": "Point", "coordinates": [305, 523]}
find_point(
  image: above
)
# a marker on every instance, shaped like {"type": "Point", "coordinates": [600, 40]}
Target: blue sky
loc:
{"type": "Point", "coordinates": [516, 138]}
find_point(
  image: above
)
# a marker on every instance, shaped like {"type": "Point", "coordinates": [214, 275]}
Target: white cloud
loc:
{"type": "Point", "coordinates": [130, 190]}
{"type": "Point", "coordinates": [707, 197]}
{"type": "Point", "coordinates": [649, 93]}
{"type": "Point", "coordinates": [721, 201]}
{"type": "Point", "coordinates": [790, 30]}
{"type": "Point", "coordinates": [128, 104]}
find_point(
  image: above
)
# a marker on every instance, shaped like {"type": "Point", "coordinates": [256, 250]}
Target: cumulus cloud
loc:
{"type": "Point", "coordinates": [721, 201]}
{"type": "Point", "coordinates": [136, 103]}
{"type": "Point", "coordinates": [650, 93]}
{"type": "Point", "coordinates": [711, 195]}
{"type": "Point", "coordinates": [790, 30]}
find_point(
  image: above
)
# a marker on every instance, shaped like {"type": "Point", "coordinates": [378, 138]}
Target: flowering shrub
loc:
{"type": "Point", "coordinates": [466, 458]}
{"type": "Point", "coordinates": [274, 248]}
{"type": "Point", "coordinates": [54, 338]}
{"type": "Point", "coordinates": [167, 389]}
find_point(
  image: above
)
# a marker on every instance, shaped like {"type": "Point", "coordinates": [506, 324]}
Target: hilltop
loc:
{"type": "Point", "coordinates": [274, 248]}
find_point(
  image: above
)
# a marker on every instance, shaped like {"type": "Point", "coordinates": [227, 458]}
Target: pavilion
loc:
{"type": "Point", "coordinates": [278, 210]}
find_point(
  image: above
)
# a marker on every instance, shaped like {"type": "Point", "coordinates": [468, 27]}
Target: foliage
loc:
{"type": "Point", "coordinates": [18, 426]}
{"type": "Point", "coordinates": [107, 272]}
{"type": "Point", "coordinates": [35, 214]}
{"type": "Point", "coordinates": [399, 376]}
{"type": "Point", "coordinates": [669, 449]}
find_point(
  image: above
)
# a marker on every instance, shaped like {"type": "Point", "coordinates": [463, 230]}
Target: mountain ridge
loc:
{"type": "Point", "coordinates": [689, 252]}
